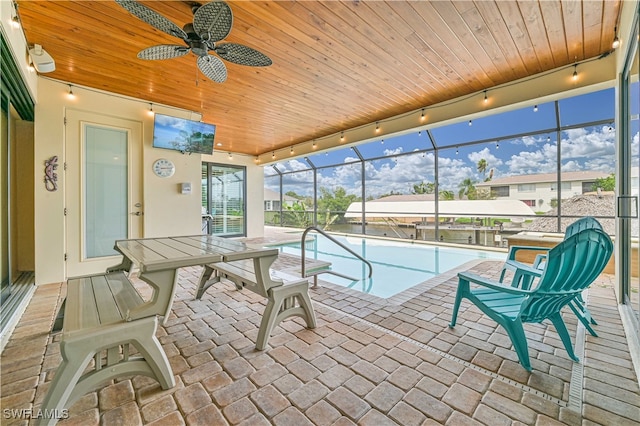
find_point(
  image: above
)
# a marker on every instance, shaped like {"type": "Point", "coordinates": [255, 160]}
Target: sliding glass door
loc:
{"type": "Point", "coordinates": [628, 171]}
{"type": "Point", "coordinates": [223, 200]}
{"type": "Point", "coordinates": [5, 270]}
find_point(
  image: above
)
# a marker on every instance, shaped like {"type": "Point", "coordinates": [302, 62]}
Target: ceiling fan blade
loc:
{"type": "Point", "coordinates": [163, 51]}
{"type": "Point", "coordinates": [213, 68]}
{"type": "Point", "coordinates": [152, 18]}
{"type": "Point", "coordinates": [243, 55]}
{"type": "Point", "coordinates": [215, 19]}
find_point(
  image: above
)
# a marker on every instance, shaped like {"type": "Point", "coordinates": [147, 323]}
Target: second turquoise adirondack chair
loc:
{"type": "Point", "coordinates": [570, 267]}
{"type": "Point", "coordinates": [523, 278]}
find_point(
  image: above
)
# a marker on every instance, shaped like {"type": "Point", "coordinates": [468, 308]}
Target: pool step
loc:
{"type": "Point", "coordinates": [315, 274]}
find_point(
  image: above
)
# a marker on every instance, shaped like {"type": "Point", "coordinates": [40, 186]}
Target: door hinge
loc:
{"type": "Point", "coordinates": [65, 121]}
{"type": "Point", "coordinates": [65, 257]}
{"type": "Point", "coordinates": [64, 166]}
{"type": "Point", "coordinates": [64, 211]}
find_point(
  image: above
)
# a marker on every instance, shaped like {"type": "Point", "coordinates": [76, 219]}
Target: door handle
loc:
{"type": "Point", "coordinates": [137, 213]}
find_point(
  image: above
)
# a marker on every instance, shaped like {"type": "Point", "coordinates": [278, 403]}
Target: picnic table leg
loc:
{"type": "Point", "coordinates": [164, 288]}
{"type": "Point", "coordinates": [125, 265]}
{"type": "Point", "coordinates": [73, 363]}
{"type": "Point", "coordinates": [206, 281]}
{"type": "Point", "coordinates": [282, 305]}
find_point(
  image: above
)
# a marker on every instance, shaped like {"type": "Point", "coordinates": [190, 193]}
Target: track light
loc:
{"type": "Point", "coordinates": [422, 116]}
{"type": "Point", "coordinates": [456, 150]}
{"type": "Point", "coordinates": [273, 155]}
{"type": "Point", "coordinates": [15, 19]}
{"type": "Point", "coordinates": [535, 108]}
{"type": "Point", "coordinates": [497, 145]}
{"type": "Point", "coordinates": [341, 136]}
{"type": "Point", "coordinates": [616, 40]}
{"type": "Point", "coordinates": [150, 112]}
{"type": "Point", "coordinates": [70, 94]}
{"type": "Point", "coordinates": [377, 127]}
{"type": "Point", "coordinates": [470, 123]}
{"type": "Point", "coordinates": [230, 156]}
{"type": "Point", "coordinates": [314, 145]}
{"type": "Point", "coordinates": [419, 133]}
{"type": "Point", "coordinates": [575, 72]}
{"type": "Point", "coordinates": [485, 97]}
{"type": "Point", "coordinates": [291, 151]}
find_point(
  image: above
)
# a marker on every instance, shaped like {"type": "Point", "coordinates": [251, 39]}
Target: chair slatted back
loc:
{"type": "Point", "coordinates": [571, 267]}
{"type": "Point", "coordinates": [587, 222]}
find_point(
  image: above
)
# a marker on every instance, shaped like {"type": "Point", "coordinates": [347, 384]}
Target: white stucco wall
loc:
{"type": "Point", "coordinates": [166, 210]}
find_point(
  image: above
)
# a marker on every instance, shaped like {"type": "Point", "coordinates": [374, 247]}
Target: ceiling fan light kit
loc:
{"type": "Point", "coordinates": [212, 23]}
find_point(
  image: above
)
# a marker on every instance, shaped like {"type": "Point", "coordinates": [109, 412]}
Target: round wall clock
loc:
{"type": "Point", "coordinates": [164, 168]}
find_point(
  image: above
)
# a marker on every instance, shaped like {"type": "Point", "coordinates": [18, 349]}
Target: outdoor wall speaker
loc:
{"type": "Point", "coordinates": [42, 61]}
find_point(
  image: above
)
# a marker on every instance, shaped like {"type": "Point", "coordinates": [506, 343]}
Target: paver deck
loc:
{"type": "Point", "coordinates": [370, 361]}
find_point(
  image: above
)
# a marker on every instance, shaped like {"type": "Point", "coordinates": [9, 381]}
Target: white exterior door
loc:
{"type": "Point", "coordinates": [103, 196]}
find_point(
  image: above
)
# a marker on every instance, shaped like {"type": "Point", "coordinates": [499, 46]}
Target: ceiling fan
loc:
{"type": "Point", "coordinates": [211, 23]}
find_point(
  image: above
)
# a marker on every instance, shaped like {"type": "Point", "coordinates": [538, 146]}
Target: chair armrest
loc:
{"type": "Point", "coordinates": [522, 267]}
{"type": "Point", "coordinates": [485, 282]}
{"type": "Point", "coordinates": [514, 249]}
{"type": "Point", "coordinates": [538, 262]}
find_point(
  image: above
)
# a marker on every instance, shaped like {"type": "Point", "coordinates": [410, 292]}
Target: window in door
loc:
{"type": "Point", "coordinates": [223, 199]}
{"type": "Point", "coordinates": [106, 190]}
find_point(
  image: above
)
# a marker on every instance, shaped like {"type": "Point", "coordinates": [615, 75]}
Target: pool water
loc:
{"type": "Point", "coordinates": [397, 266]}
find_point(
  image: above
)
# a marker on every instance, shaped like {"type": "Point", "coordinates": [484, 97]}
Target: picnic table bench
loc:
{"type": "Point", "coordinates": [104, 315]}
{"type": "Point", "coordinates": [97, 326]}
{"type": "Point", "coordinates": [285, 298]}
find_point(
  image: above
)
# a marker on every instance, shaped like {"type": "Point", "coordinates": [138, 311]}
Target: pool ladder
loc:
{"type": "Point", "coordinates": [315, 274]}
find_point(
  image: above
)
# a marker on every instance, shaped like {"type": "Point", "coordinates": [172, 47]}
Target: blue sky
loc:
{"type": "Point", "coordinates": [588, 148]}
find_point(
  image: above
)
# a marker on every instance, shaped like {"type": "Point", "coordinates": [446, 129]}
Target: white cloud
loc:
{"type": "Point", "coordinates": [582, 149]}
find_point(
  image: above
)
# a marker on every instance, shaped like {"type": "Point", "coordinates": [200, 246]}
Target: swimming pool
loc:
{"type": "Point", "coordinates": [397, 266]}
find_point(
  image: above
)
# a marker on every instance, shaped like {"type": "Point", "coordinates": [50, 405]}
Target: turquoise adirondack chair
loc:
{"type": "Point", "coordinates": [570, 267]}
{"type": "Point", "coordinates": [523, 278]}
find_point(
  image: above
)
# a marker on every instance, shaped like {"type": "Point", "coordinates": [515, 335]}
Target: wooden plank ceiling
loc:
{"type": "Point", "coordinates": [336, 64]}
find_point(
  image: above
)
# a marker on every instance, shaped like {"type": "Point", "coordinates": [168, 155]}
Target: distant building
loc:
{"type": "Point", "coordinates": [272, 200]}
{"type": "Point", "coordinates": [540, 191]}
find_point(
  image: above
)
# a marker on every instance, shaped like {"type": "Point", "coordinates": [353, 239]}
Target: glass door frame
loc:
{"type": "Point", "coordinates": [207, 189]}
{"type": "Point", "coordinates": [627, 205]}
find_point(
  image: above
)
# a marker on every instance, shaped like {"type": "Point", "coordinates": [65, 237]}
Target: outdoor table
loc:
{"type": "Point", "coordinates": [159, 259]}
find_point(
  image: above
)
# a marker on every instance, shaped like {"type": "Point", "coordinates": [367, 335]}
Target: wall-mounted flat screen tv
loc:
{"type": "Point", "coordinates": [183, 135]}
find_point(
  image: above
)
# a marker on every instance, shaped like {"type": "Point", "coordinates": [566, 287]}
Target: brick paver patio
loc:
{"type": "Point", "coordinates": [370, 361]}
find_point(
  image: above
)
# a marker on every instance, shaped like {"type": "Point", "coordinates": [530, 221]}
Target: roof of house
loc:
{"type": "Point", "coordinates": [405, 197]}
{"type": "Point", "coordinates": [420, 207]}
{"type": "Point", "coordinates": [602, 206]}
{"type": "Point", "coordinates": [273, 195]}
{"type": "Point", "coordinates": [545, 177]}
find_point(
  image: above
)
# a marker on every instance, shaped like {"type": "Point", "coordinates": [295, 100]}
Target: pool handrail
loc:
{"type": "Point", "coordinates": [315, 275]}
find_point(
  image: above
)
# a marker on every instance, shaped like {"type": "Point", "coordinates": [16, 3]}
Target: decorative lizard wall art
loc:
{"type": "Point", "coordinates": [50, 176]}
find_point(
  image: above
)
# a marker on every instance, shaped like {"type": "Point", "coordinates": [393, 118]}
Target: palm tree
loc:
{"type": "Point", "coordinates": [468, 188]}
{"type": "Point", "coordinates": [488, 178]}
{"type": "Point", "coordinates": [446, 195]}
{"type": "Point", "coordinates": [482, 166]}
{"type": "Point", "coordinates": [423, 188]}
